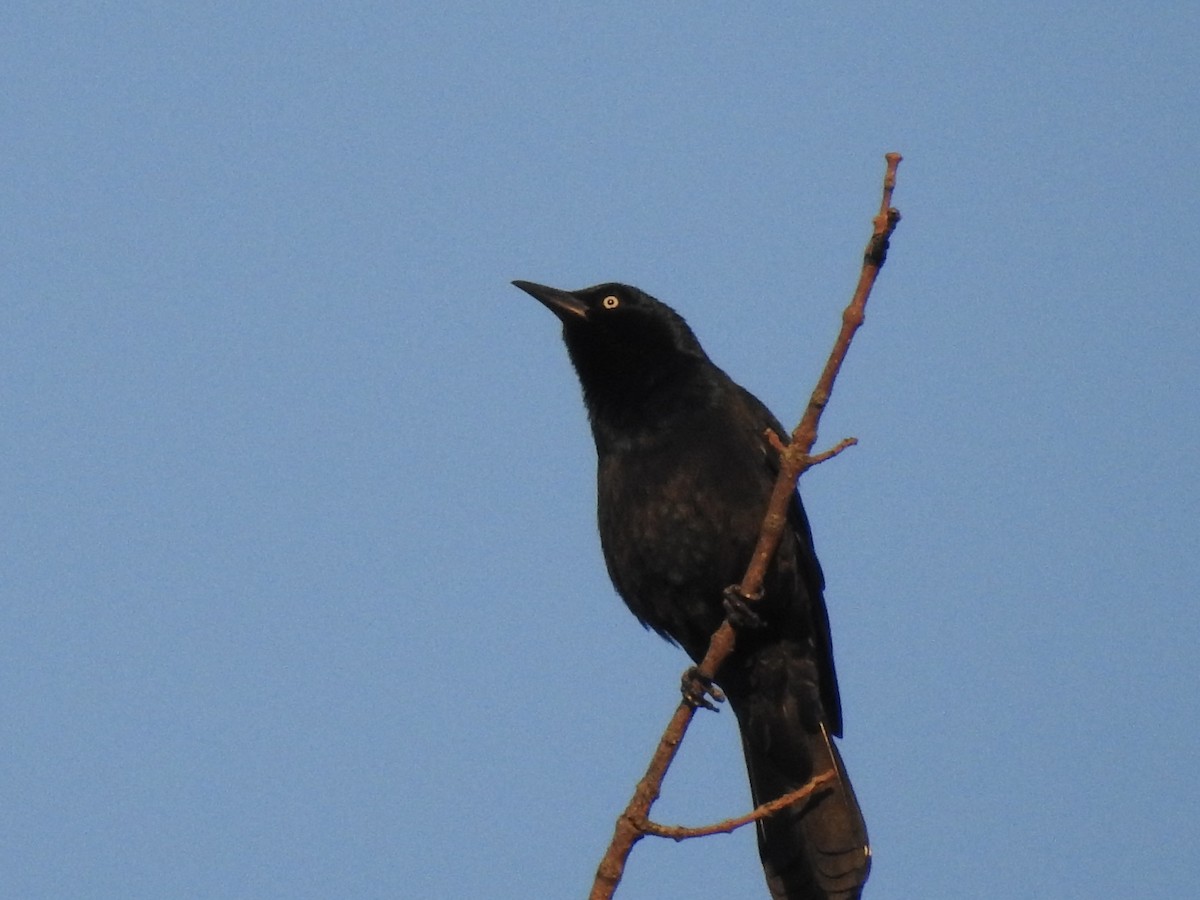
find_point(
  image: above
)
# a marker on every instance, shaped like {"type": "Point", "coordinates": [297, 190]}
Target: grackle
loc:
{"type": "Point", "coordinates": [685, 468]}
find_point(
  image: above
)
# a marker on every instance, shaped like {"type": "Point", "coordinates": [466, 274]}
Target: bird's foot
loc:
{"type": "Point", "coordinates": [698, 688]}
{"type": "Point", "coordinates": [738, 611]}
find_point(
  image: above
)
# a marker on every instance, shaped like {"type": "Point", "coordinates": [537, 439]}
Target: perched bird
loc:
{"type": "Point", "coordinates": [685, 468]}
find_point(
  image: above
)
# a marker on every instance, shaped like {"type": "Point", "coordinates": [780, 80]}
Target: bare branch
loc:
{"type": "Point", "coordinates": [843, 444]}
{"type": "Point", "coordinates": [795, 459]}
{"type": "Point", "coordinates": [681, 833]}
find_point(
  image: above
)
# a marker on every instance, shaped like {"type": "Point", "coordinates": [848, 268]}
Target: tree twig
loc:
{"type": "Point", "coordinates": [795, 459]}
{"type": "Point", "coordinates": [682, 833]}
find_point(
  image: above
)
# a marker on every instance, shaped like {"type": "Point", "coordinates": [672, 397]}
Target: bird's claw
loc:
{"type": "Point", "coordinates": [697, 688]}
{"type": "Point", "coordinates": [738, 611]}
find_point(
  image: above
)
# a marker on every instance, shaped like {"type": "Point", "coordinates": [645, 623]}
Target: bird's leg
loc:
{"type": "Point", "coordinates": [698, 688]}
{"type": "Point", "coordinates": [738, 611]}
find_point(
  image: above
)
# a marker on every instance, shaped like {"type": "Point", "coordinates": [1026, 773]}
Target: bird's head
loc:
{"type": "Point", "coordinates": [612, 327]}
{"type": "Point", "coordinates": [623, 343]}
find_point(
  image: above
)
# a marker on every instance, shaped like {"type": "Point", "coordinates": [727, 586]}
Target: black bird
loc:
{"type": "Point", "coordinates": [685, 471]}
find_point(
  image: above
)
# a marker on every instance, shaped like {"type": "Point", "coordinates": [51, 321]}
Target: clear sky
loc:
{"type": "Point", "coordinates": [301, 590]}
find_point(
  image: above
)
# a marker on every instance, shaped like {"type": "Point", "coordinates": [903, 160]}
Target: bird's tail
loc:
{"type": "Point", "coordinates": [816, 849]}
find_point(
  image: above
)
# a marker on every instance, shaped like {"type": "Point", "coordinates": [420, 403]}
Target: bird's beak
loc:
{"type": "Point", "coordinates": [565, 305]}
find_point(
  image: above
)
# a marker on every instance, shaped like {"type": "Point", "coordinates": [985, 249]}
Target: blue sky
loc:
{"type": "Point", "coordinates": [301, 591]}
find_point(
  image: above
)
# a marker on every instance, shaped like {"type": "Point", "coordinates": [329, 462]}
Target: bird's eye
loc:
{"type": "Point", "coordinates": [610, 302]}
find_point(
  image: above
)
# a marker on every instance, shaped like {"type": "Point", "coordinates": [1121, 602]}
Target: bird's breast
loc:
{"type": "Point", "coordinates": [677, 525]}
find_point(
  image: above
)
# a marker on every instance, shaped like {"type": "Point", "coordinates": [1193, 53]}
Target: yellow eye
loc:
{"type": "Point", "coordinates": [610, 302]}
